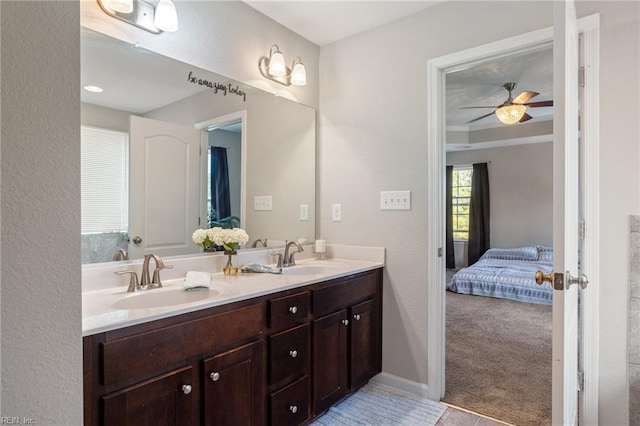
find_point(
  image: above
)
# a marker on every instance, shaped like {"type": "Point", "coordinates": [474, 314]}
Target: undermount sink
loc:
{"type": "Point", "coordinates": [158, 298]}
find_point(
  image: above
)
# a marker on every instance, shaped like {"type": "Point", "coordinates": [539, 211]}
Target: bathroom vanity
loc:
{"type": "Point", "coordinates": [275, 349]}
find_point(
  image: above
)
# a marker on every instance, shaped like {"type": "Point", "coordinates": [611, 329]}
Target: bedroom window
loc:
{"type": "Point", "coordinates": [461, 194]}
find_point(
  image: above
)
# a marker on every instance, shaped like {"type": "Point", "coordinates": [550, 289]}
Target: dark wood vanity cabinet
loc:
{"type": "Point", "coordinates": [279, 359]}
{"type": "Point", "coordinates": [347, 342]}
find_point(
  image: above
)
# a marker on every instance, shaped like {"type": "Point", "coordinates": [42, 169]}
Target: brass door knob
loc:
{"type": "Point", "coordinates": [541, 277]}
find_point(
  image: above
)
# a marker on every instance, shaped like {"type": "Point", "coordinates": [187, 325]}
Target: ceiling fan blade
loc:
{"type": "Point", "coordinates": [524, 97]}
{"type": "Point", "coordinates": [525, 117]}
{"type": "Point", "coordinates": [484, 106]}
{"type": "Point", "coordinates": [539, 104]}
{"type": "Point", "coordinates": [480, 118]}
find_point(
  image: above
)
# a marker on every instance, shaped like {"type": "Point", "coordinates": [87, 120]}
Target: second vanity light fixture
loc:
{"type": "Point", "coordinates": [274, 68]}
{"type": "Point", "coordinates": [162, 17]}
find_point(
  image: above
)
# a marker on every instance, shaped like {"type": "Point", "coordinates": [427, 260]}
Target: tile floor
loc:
{"type": "Point", "coordinates": [456, 417]}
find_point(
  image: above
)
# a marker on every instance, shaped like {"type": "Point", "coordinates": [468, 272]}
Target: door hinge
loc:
{"type": "Point", "coordinates": [582, 229]}
{"type": "Point", "coordinates": [439, 251]}
{"type": "Point", "coordinates": [580, 381]}
{"type": "Point", "coordinates": [200, 150]}
{"type": "Point", "coordinates": [581, 77]}
{"type": "Point", "coordinates": [199, 220]}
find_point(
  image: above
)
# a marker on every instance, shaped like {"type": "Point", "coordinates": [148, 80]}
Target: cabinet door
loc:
{"type": "Point", "coordinates": [364, 343]}
{"type": "Point", "coordinates": [234, 391]}
{"type": "Point", "coordinates": [329, 360]}
{"type": "Point", "coordinates": [170, 399]}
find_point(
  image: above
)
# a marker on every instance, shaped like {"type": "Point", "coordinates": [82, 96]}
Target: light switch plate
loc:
{"type": "Point", "coordinates": [395, 200]}
{"type": "Point", "coordinates": [304, 212]}
{"type": "Point", "coordinates": [336, 212]}
{"type": "Point", "coordinates": [262, 203]}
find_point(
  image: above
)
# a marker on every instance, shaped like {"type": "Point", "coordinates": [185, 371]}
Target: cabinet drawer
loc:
{"type": "Point", "coordinates": [345, 293]}
{"type": "Point", "coordinates": [289, 353]}
{"type": "Point", "coordinates": [151, 351]}
{"type": "Point", "coordinates": [290, 405]}
{"type": "Point", "coordinates": [288, 310]}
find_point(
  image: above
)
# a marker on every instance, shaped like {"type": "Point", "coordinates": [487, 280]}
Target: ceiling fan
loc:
{"type": "Point", "coordinates": [512, 110]}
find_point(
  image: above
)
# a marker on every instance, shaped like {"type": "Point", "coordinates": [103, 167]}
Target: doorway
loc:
{"type": "Point", "coordinates": [589, 28]}
{"type": "Point", "coordinates": [498, 320]}
{"type": "Point", "coordinates": [223, 201]}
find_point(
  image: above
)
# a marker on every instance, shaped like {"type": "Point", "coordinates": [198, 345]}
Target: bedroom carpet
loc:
{"type": "Point", "coordinates": [381, 405]}
{"type": "Point", "coordinates": [499, 358]}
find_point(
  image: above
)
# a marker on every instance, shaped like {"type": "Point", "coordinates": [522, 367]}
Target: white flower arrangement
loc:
{"type": "Point", "coordinates": [227, 238]}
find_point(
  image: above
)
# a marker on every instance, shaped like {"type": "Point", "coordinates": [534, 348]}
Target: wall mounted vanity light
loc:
{"type": "Point", "coordinates": [162, 17]}
{"type": "Point", "coordinates": [275, 69]}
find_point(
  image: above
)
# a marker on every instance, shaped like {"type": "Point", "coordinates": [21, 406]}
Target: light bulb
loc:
{"type": "Point", "coordinates": [276, 64]}
{"type": "Point", "coordinates": [511, 114]}
{"type": "Point", "coordinates": [299, 75]}
{"type": "Point", "coordinates": [166, 18]}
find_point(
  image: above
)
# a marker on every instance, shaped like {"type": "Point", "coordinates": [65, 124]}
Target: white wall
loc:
{"type": "Point", "coordinates": [373, 137]}
{"type": "Point", "coordinates": [226, 37]}
{"type": "Point", "coordinates": [40, 211]}
{"type": "Point", "coordinates": [520, 190]}
{"type": "Point", "coordinates": [104, 118]}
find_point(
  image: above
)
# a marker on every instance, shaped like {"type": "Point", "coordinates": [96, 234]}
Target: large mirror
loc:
{"type": "Point", "coordinates": [168, 148]}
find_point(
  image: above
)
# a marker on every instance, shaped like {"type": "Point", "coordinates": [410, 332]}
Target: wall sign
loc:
{"type": "Point", "coordinates": [217, 87]}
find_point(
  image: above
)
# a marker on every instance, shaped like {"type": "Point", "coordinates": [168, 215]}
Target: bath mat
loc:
{"type": "Point", "coordinates": [376, 404]}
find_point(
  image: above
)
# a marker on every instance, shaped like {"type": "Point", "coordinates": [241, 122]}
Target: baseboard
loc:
{"type": "Point", "coordinates": [401, 383]}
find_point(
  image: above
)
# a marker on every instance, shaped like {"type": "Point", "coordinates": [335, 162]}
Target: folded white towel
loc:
{"type": "Point", "coordinates": [197, 280]}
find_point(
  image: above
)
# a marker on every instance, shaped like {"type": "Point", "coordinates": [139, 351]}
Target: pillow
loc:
{"type": "Point", "coordinates": [516, 253]}
{"type": "Point", "coordinates": [545, 254]}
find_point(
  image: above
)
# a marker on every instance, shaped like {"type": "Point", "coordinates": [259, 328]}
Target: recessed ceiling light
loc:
{"type": "Point", "coordinates": [94, 89]}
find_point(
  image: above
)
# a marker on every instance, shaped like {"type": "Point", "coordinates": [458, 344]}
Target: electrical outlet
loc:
{"type": "Point", "coordinates": [262, 203]}
{"type": "Point", "coordinates": [304, 212]}
{"type": "Point", "coordinates": [336, 212]}
{"type": "Point", "coordinates": [395, 200]}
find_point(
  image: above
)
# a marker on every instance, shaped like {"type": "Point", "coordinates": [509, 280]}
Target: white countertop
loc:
{"type": "Point", "coordinates": [111, 308]}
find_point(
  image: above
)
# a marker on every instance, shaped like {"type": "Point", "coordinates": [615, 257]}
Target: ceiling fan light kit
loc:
{"type": "Point", "coordinates": [511, 114]}
{"type": "Point", "coordinates": [513, 110]}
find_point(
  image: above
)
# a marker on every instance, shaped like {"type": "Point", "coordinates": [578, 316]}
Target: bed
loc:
{"type": "Point", "coordinates": [507, 273]}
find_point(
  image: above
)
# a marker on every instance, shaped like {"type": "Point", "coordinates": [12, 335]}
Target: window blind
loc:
{"type": "Point", "coordinates": [104, 180]}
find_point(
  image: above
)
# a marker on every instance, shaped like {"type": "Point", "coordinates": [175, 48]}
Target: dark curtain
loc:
{"type": "Point", "coordinates": [451, 260]}
{"type": "Point", "coordinates": [220, 195]}
{"type": "Point", "coordinates": [479, 212]}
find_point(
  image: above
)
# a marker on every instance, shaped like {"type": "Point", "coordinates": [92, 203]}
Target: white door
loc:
{"type": "Point", "coordinates": [566, 214]}
{"type": "Point", "coordinates": [164, 185]}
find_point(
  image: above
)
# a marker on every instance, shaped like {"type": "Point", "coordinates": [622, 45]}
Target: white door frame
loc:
{"type": "Point", "coordinates": [589, 27]}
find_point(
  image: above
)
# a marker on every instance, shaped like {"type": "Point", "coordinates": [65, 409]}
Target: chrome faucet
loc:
{"type": "Point", "coordinates": [120, 254]}
{"type": "Point", "coordinates": [263, 242]}
{"type": "Point", "coordinates": [289, 260]}
{"type": "Point", "coordinates": [145, 281]}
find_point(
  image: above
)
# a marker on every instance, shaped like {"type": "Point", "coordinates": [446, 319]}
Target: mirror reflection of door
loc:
{"type": "Point", "coordinates": [163, 196]}
{"type": "Point", "coordinates": [224, 176]}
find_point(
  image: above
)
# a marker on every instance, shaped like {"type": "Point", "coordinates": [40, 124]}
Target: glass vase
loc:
{"type": "Point", "coordinates": [229, 269]}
